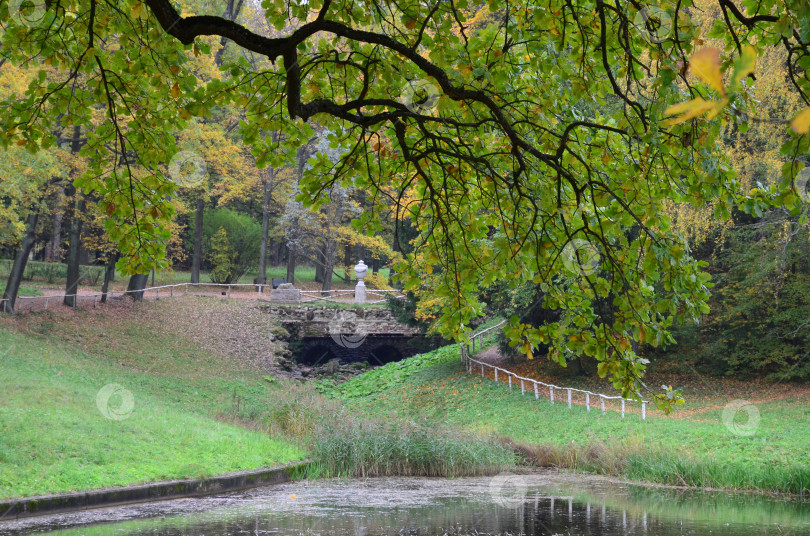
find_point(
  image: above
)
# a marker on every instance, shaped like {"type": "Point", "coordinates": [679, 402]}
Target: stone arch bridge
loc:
{"type": "Point", "coordinates": [318, 334]}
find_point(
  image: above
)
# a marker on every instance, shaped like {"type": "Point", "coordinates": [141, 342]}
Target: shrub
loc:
{"type": "Point", "coordinates": [238, 250]}
{"type": "Point", "coordinates": [221, 256]}
{"type": "Point", "coordinates": [377, 281]}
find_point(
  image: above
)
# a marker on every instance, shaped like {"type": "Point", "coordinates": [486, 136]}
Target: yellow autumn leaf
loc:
{"type": "Point", "coordinates": [690, 109]}
{"type": "Point", "coordinates": [801, 123]}
{"type": "Point", "coordinates": [706, 64]}
{"type": "Point", "coordinates": [175, 90]}
{"type": "Point", "coordinates": [716, 108]}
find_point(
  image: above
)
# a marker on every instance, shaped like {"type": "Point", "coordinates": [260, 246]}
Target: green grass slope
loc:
{"type": "Point", "coordinates": [435, 387]}
{"type": "Point", "coordinates": [184, 406]}
{"type": "Point", "coordinates": [194, 371]}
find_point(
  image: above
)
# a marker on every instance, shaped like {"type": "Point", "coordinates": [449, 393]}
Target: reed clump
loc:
{"type": "Point", "coordinates": [342, 443]}
{"type": "Point", "coordinates": [363, 448]}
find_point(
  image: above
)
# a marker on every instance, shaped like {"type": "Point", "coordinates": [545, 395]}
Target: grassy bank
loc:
{"type": "Point", "coordinates": [196, 399]}
{"type": "Point", "coordinates": [55, 438]}
{"type": "Point", "coordinates": [435, 390]}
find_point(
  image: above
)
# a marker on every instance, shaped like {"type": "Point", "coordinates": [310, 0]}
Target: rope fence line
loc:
{"type": "Point", "coordinates": [317, 295]}
{"type": "Point", "coordinates": [472, 366]}
{"type": "Point", "coordinates": [480, 335]}
{"type": "Point", "coordinates": [171, 290]}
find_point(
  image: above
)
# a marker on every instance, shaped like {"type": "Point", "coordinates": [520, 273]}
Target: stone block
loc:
{"type": "Point", "coordinates": [287, 295]}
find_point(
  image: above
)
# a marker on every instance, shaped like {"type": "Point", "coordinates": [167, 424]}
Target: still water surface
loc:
{"type": "Point", "coordinates": [536, 503]}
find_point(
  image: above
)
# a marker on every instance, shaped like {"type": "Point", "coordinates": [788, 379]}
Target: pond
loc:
{"type": "Point", "coordinates": [535, 503]}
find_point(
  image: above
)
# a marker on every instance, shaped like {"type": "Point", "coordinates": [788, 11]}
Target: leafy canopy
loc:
{"type": "Point", "coordinates": [526, 141]}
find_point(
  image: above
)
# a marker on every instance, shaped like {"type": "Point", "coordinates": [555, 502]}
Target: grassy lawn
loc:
{"type": "Point", "coordinates": [186, 406]}
{"type": "Point", "coordinates": [705, 453]}
{"type": "Point", "coordinates": [23, 291]}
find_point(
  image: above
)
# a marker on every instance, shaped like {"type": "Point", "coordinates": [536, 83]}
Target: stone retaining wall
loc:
{"type": "Point", "coordinates": [157, 491]}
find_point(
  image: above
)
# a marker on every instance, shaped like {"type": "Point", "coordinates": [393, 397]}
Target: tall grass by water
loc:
{"type": "Point", "coordinates": [368, 449]}
{"type": "Point", "coordinates": [343, 444]}
{"type": "Point", "coordinates": [633, 460]}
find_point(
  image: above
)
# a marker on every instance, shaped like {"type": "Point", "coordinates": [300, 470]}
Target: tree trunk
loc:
{"type": "Point", "coordinates": [575, 367]}
{"type": "Point", "coordinates": [136, 285]}
{"type": "Point", "coordinates": [319, 258]}
{"type": "Point", "coordinates": [291, 255]}
{"type": "Point", "coordinates": [283, 252]}
{"type": "Point", "coordinates": [347, 255]}
{"type": "Point", "coordinates": [327, 279]}
{"type": "Point", "coordinates": [75, 233]}
{"type": "Point", "coordinates": [329, 254]}
{"type": "Point", "coordinates": [196, 259]}
{"type": "Point", "coordinates": [53, 245]}
{"type": "Point", "coordinates": [74, 249]}
{"type": "Point", "coordinates": [275, 252]}
{"type": "Point", "coordinates": [262, 277]}
{"type": "Point", "coordinates": [330, 249]}
{"type": "Point", "coordinates": [109, 274]}
{"type": "Point", "coordinates": [20, 260]}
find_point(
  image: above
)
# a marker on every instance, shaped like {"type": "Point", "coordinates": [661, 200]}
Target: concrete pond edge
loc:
{"type": "Point", "coordinates": [12, 509]}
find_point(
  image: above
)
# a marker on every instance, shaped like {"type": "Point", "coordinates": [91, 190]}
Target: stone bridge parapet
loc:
{"type": "Point", "coordinates": [323, 321]}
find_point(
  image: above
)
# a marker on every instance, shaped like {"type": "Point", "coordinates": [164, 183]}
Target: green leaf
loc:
{"type": "Point", "coordinates": [744, 64]}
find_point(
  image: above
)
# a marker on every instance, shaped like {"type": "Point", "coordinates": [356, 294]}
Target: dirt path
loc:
{"type": "Point", "coordinates": [90, 297]}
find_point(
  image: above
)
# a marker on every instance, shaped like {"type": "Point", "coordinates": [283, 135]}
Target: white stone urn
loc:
{"type": "Point", "coordinates": [360, 270]}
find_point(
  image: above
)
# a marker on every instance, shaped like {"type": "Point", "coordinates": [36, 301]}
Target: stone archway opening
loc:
{"type": "Point", "coordinates": [318, 354]}
{"type": "Point", "coordinates": [383, 354]}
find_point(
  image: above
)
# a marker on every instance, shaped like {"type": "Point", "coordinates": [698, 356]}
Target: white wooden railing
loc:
{"type": "Point", "coordinates": [472, 366]}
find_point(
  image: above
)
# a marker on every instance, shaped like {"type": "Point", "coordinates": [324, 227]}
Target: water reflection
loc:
{"type": "Point", "coordinates": [549, 504]}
